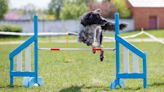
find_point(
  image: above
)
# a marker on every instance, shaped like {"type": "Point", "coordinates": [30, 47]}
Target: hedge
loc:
{"type": "Point", "coordinates": [10, 28]}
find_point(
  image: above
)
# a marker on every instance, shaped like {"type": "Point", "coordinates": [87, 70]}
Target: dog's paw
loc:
{"type": "Point", "coordinates": [101, 59]}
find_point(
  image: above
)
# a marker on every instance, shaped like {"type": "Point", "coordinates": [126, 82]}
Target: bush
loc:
{"type": "Point", "coordinates": [10, 28]}
{"type": "Point", "coordinates": [3, 7]}
{"type": "Point", "coordinates": [122, 8]}
{"type": "Point", "coordinates": [73, 11]}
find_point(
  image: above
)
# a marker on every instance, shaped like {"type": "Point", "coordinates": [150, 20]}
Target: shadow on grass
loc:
{"type": "Point", "coordinates": [157, 84]}
{"type": "Point", "coordinates": [132, 89]}
{"type": "Point", "coordinates": [150, 85]}
{"type": "Point", "coordinates": [78, 88]}
{"type": "Point", "coordinates": [97, 88]}
{"type": "Point", "coordinates": [8, 86]}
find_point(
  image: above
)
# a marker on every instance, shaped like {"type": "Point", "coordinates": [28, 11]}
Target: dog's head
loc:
{"type": "Point", "coordinates": [93, 17]}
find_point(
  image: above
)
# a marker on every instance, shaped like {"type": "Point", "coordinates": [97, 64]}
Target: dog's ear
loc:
{"type": "Point", "coordinates": [85, 18]}
{"type": "Point", "coordinates": [83, 22]}
{"type": "Point", "coordinates": [122, 26]}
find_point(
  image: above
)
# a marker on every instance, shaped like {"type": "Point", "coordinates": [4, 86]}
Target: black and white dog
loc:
{"type": "Point", "coordinates": [93, 25]}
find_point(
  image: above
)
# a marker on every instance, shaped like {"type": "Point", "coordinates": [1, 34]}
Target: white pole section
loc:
{"type": "Point", "coordinates": [28, 59]}
{"type": "Point", "coordinates": [135, 67]}
{"type": "Point", "coordinates": [126, 60]}
{"type": "Point", "coordinates": [19, 62]}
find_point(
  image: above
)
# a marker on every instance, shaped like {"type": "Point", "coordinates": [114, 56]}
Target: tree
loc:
{"type": "Point", "coordinates": [3, 7]}
{"type": "Point", "coordinates": [58, 6]}
{"type": "Point", "coordinates": [30, 10]}
{"type": "Point", "coordinates": [73, 11]}
{"type": "Point", "coordinates": [122, 8]}
{"type": "Point", "coordinates": [55, 7]}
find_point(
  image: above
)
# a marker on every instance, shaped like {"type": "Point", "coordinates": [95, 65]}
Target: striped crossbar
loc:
{"type": "Point", "coordinates": [135, 64]}
{"type": "Point", "coordinates": [19, 64]}
{"type": "Point", "coordinates": [77, 49]}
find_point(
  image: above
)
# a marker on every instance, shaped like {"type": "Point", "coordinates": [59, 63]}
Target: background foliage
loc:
{"type": "Point", "coordinates": [122, 8]}
{"type": "Point", "coordinates": [73, 11]}
{"type": "Point", "coordinates": [67, 9]}
{"type": "Point", "coordinates": [3, 7]}
{"type": "Point", "coordinates": [55, 7]}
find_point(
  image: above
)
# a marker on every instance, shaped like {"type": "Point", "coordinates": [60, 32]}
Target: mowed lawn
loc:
{"type": "Point", "coordinates": [81, 71]}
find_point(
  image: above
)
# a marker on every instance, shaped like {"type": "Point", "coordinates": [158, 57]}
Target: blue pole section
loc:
{"type": "Point", "coordinates": [117, 23]}
{"type": "Point", "coordinates": [117, 45]}
{"type": "Point", "coordinates": [145, 71]}
{"type": "Point", "coordinates": [36, 48]}
{"type": "Point", "coordinates": [11, 70]}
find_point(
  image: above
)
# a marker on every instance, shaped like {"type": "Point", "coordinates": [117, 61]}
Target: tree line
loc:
{"type": "Point", "coordinates": [73, 9]}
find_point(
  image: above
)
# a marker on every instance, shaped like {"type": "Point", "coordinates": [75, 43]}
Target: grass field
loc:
{"type": "Point", "coordinates": [82, 71]}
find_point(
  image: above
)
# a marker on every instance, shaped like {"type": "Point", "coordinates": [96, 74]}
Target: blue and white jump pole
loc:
{"type": "Point", "coordinates": [30, 77]}
{"type": "Point", "coordinates": [135, 74]}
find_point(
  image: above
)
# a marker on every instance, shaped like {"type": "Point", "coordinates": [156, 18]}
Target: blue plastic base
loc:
{"type": "Point", "coordinates": [30, 81]}
{"type": "Point", "coordinates": [117, 82]}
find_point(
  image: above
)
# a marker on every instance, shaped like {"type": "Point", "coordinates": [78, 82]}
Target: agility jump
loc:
{"type": "Point", "coordinates": [31, 77]}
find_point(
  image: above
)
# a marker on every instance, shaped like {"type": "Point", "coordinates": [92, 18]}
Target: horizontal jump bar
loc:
{"type": "Point", "coordinates": [77, 49]}
{"type": "Point", "coordinates": [39, 34]}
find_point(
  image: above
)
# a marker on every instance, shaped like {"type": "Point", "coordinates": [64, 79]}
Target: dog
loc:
{"type": "Point", "coordinates": [92, 27]}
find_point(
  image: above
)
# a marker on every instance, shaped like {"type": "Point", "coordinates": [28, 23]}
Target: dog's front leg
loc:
{"type": "Point", "coordinates": [102, 55]}
{"type": "Point", "coordinates": [102, 51]}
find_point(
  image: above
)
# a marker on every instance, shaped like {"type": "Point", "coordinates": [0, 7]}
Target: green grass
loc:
{"type": "Point", "coordinates": [82, 71]}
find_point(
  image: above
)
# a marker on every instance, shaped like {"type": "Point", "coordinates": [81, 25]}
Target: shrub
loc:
{"type": "Point", "coordinates": [10, 28]}
{"type": "Point", "coordinates": [73, 11]}
{"type": "Point", "coordinates": [3, 7]}
{"type": "Point", "coordinates": [122, 8]}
